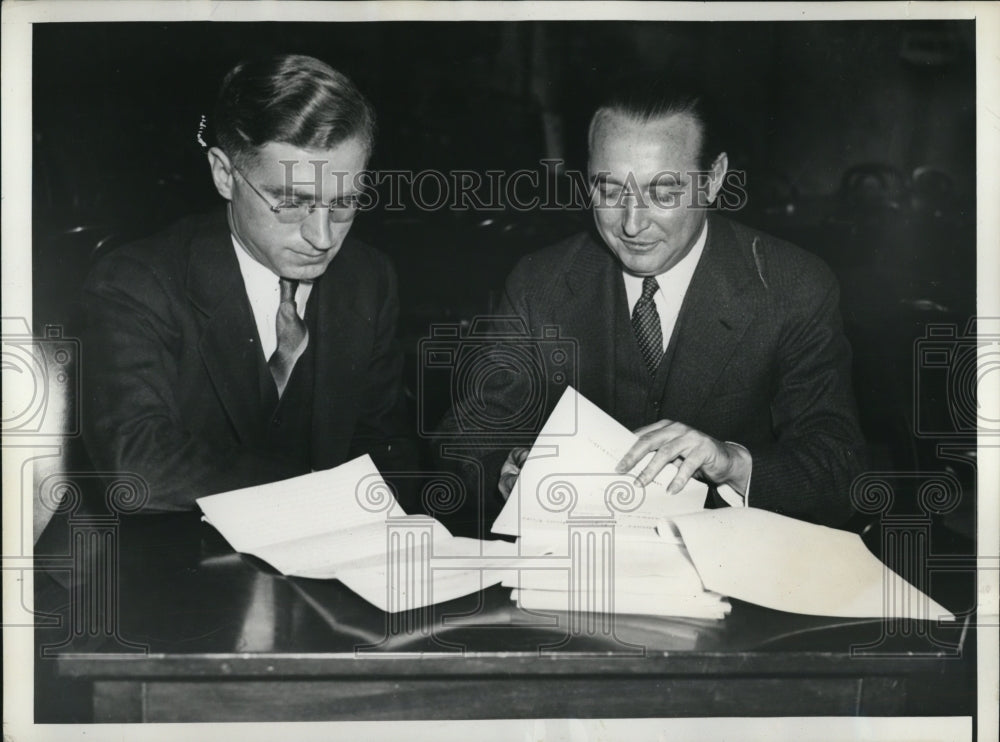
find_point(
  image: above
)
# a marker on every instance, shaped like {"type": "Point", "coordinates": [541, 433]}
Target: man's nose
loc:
{"type": "Point", "coordinates": [634, 218]}
{"type": "Point", "coordinates": [316, 229]}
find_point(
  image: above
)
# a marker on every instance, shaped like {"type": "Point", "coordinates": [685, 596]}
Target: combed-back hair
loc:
{"type": "Point", "coordinates": [290, 98]}
{"type": "Point", "coordinates": [647, 97]}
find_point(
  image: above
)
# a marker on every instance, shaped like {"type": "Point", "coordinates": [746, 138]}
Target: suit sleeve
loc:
{"type": "Point", "coordinates": [131, 418]}
{"type": "Point", "coordinates": [383, 425]}
{"type": "Point", "coordinates": [819, 448]}
{"type": "Point", "coordinates": [497, 390]}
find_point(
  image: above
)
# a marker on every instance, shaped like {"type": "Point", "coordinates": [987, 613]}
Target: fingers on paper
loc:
{"type": "Point", "coordinates": [506, 484]}
{"type": "Point", "coordinates": [651, 438]}
{"type": "Point", "coordinates": [519, 456]}
{"type": "Point", "coordinates": [671, 442]}
{"type": "Point", "coordinates": [511, 469]}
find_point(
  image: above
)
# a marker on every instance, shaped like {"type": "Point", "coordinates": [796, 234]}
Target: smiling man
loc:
{"type": "Point", "coordinates": [255, 343]}
{"type": "Point", "coordinates": [719, 345]}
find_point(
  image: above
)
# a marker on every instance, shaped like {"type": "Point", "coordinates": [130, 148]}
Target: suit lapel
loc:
{"type": "Point", "coordinates": [632, 382]}
{"type": "Point", "coordinates": [591, 281]}
{"type": "Point", "coordinates": [343, 337]}
{"type": "Point", "coordinates": [229, 345]}
{"type": "Point", "coordinates": [719, 305]}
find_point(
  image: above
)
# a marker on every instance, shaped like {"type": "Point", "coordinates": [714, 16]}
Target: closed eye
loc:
{"type": "Point", "coordinates": [346, 202]}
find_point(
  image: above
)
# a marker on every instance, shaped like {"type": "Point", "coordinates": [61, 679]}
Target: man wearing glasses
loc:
{"type": "Point", "coordinates": [257, 343]}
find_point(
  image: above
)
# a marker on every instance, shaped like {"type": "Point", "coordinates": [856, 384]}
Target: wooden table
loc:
{"type": "Point", "coordinates": [201, 633]}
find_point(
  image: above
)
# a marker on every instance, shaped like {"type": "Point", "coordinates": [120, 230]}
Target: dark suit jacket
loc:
{"type": "Point", "coordinates": [758, 357]}
{"type": "Point", "coordinates": [171, 363]}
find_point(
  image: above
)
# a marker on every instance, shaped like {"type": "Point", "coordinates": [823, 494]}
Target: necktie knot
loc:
{"type": "Point", "coordinates": [288, 289]}
{"type": "Point", "coordinates": [649, 287]}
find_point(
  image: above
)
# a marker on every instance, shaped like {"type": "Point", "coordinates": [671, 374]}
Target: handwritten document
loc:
{"type": "Point", "coordinates": [789, 565]}
{"type": "Point", "coordinates": [344, 523]}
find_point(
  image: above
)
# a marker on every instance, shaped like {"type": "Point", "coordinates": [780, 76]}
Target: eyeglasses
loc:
{"type": "Point", "coordinates": [293, 212]}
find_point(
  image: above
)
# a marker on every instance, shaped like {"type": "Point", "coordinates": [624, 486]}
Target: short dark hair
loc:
{"type": "Point", "coordinates": [645, 98]}
{"type": "Point", "coordinates": [289, 98]}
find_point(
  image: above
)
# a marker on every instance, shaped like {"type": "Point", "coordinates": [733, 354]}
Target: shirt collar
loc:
{"type": "Point", "coordinates": [255, 275]}
{"type": "Point", "coordinates": [675, 280]}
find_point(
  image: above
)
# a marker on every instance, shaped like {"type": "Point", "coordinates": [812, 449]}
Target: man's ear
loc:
{"type": "Point", "coordinates": [222, 172]}
{"type": "Point", "coordinates": [718, 176]}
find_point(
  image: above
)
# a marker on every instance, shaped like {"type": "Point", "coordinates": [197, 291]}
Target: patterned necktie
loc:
{"type": "Point", "coordinates": [646, 325]}
{"type": "Point", "coordinates": [293, 336]}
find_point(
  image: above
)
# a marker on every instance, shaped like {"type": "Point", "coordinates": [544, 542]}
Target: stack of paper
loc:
{"type": "Point", "coordinates": [646, 578]}
{"type": "Point", "coordinates": [344, 523]}
{"type": "Point", "coordinates": [596, 541]}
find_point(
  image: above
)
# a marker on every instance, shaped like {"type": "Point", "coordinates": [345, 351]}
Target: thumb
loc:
{"type": "Point", "coordinates": [506, 484]}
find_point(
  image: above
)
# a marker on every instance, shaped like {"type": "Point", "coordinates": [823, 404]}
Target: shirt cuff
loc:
{"type": "Point", "coordinates": [729, 494]}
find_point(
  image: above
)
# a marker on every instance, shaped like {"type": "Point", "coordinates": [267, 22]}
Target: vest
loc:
{"type": "Point", "coordinates": [286, 424]}
{"type": "Point", "coordinates": [637, 395]}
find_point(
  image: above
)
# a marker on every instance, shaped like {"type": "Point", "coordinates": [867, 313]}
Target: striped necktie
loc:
{"type": "Point", "coordinates": [293, 336]}
{"type": "Point", "coordinates": [646, 325]}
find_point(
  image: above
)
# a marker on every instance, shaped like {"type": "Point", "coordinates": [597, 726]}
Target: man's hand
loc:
{"type": "Point", "coordinates": [510, 469]}
{"type": "Point", "coordinates": [718, 462]}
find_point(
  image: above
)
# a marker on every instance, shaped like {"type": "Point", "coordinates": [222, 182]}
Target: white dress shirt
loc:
{"type": "Point", "coordinates": [264, 292]}
{"type": "Point", "coordinates": [673, 286]}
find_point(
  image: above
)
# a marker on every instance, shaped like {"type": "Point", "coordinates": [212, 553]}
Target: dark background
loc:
{"type": "Point", "coordinates": [858, 139]}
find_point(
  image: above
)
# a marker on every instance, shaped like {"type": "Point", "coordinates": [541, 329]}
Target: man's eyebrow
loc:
{"type": "Point", "coordinates": [283, 192]}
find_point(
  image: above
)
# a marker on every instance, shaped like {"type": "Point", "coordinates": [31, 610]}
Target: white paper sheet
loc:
{"type": "Point", "coordinates": [578, 471]}
{"type": "Point", "coordinates": [322, 556]}
{"type": "Point", "coordinates": [311, 505]}
{"type": "Point", "coordinates": [415, 587]}
{"type": "Point", "coordinates": [341, 523]}
{"type": "Point", "coordinates": [789, 565]}
{"type": "Point", "coordinates": [637, 568]}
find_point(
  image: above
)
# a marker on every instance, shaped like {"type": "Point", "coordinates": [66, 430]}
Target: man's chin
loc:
{"type": "Point", "coordinates": [308, 272]}
{"type": "Point", "coordinates": [643, 265]}
{"type": "Point", "coordinates": [309, 275]}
